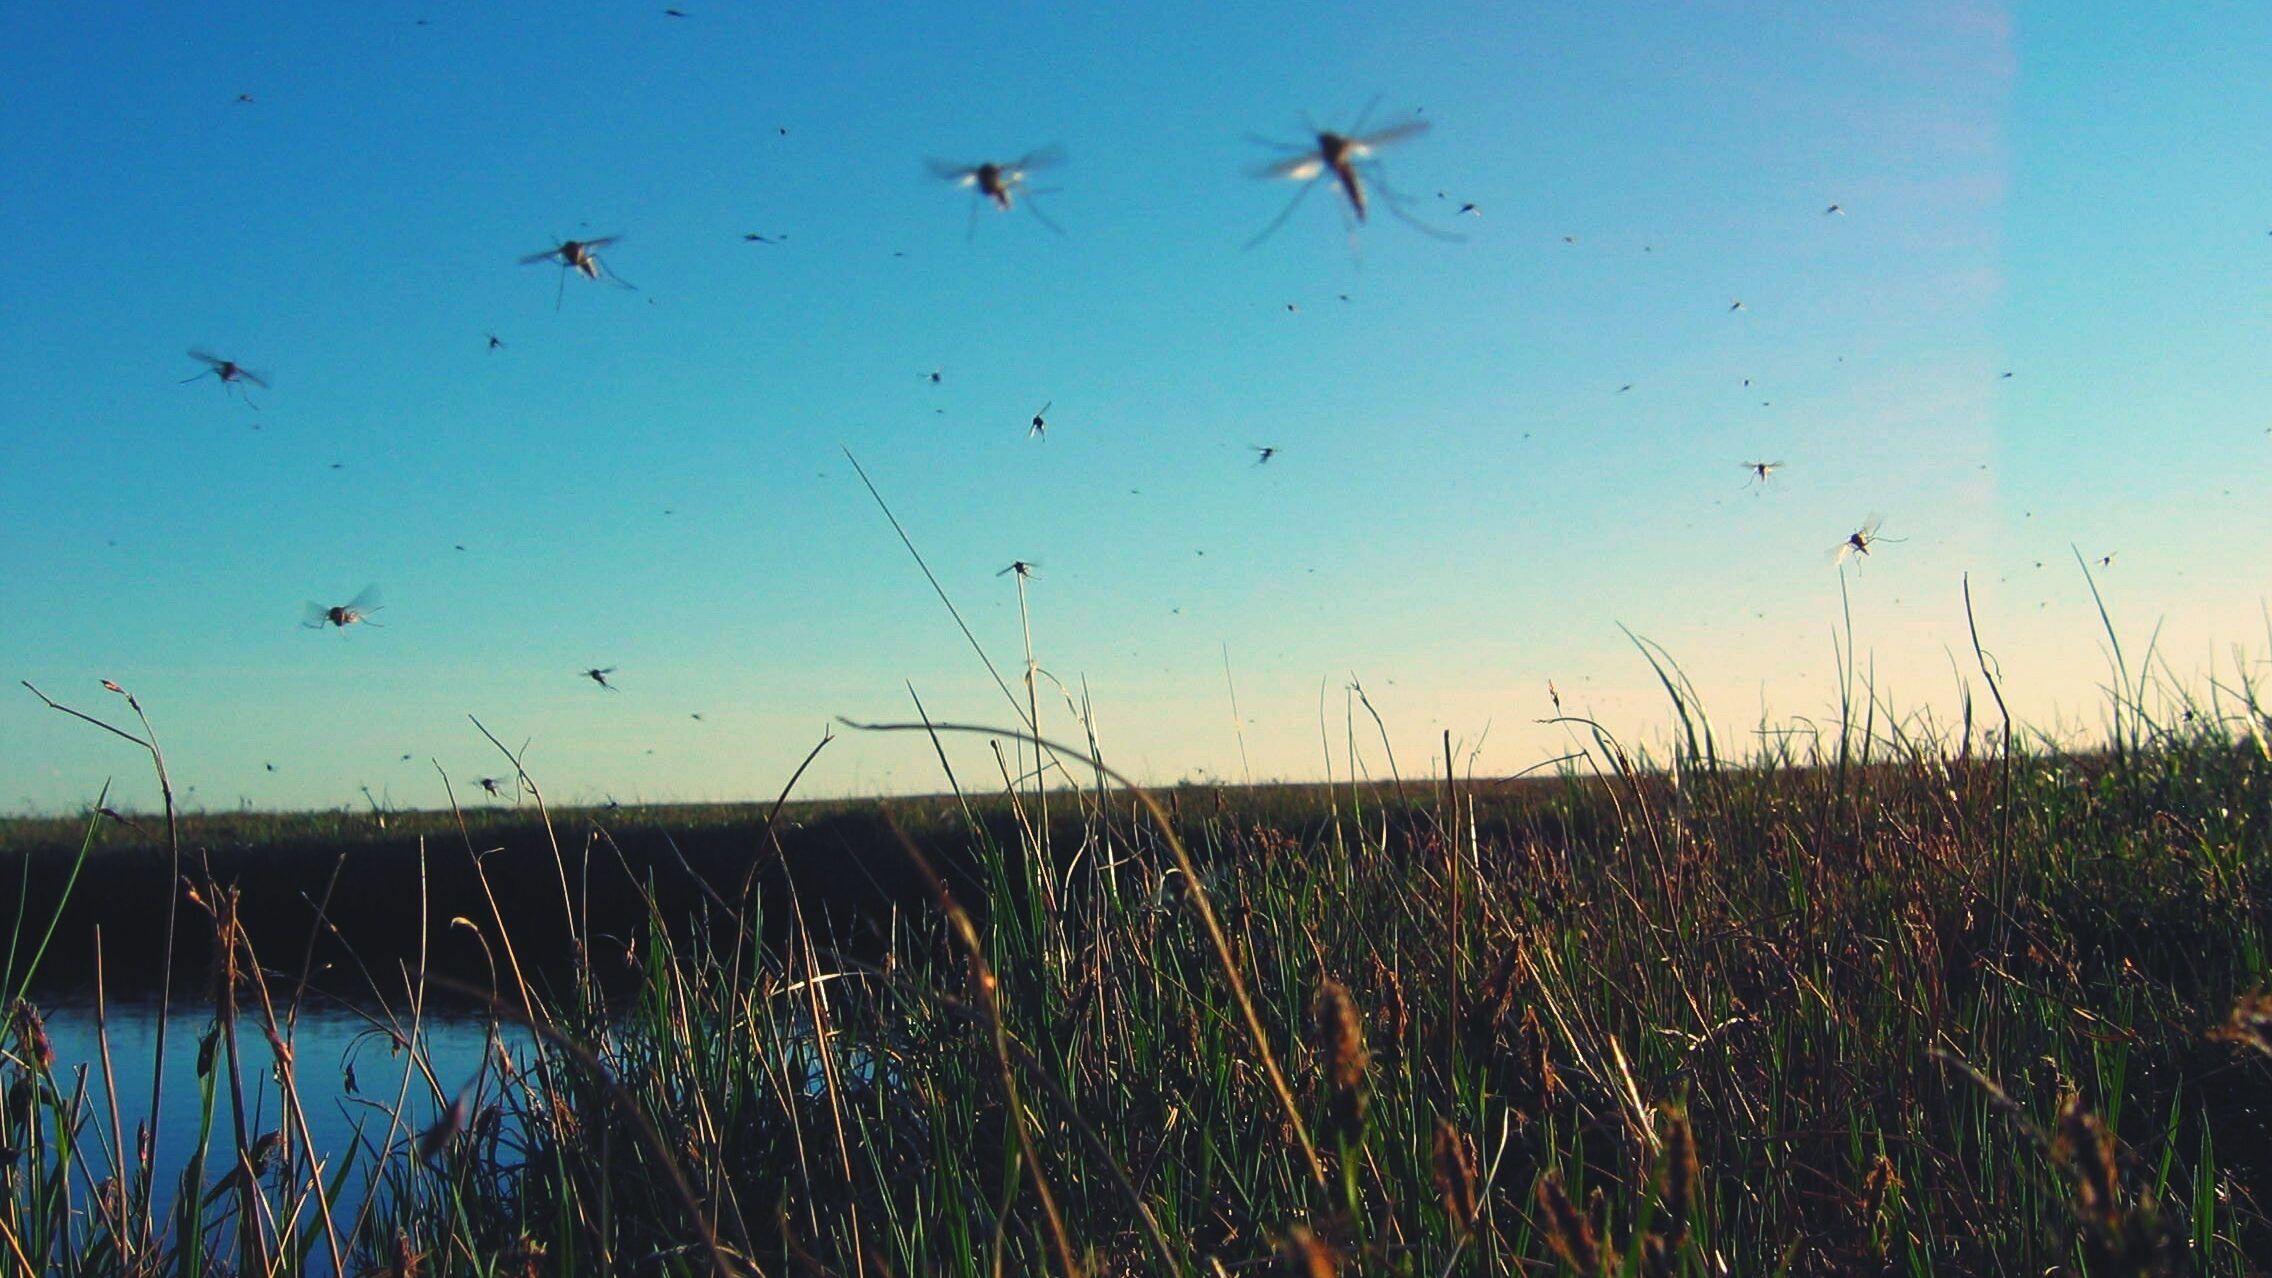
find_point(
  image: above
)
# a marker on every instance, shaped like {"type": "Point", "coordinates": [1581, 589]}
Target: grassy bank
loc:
{"type": "Point", "coordinates": [1876, 1004]}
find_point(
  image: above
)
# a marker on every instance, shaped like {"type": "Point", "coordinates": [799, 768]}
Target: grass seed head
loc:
{"type": "Point", "coordinates": [1677, 1173]}
{"type": "Point", "coordinates": [1455, 1177]}
{"type": "Point", "coordinates": [2250, 1025]}
{"type": "Point", "coordinates": [1568, 1230]}
{"type": "Point", "coordinates": [1308, 1256]}
{"type": "Point", "coordinates": [1338, 1037]}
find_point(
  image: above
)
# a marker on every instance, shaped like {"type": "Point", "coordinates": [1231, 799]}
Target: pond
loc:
{"type": "Point", "coordinates": [360, 1090]}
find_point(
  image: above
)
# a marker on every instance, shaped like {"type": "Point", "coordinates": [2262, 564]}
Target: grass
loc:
{"type": "Point", "coordinates": [1874, 1001]}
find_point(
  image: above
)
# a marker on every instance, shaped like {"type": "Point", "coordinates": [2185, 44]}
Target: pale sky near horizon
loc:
{"type": "Point", "coordinates": [1465, 503]}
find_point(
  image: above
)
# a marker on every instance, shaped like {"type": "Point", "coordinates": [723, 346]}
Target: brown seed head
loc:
{"type": "Point", "coordinates": [1677, 1172]}
{"type": "Point", "coordinates": [1568, 1230]}
{"type": "Point", "coordinates": [1455, 1177]}
{"type": "Point", "coordinates": [1308, 1256]}
{"type": "Point", "coordinates": [2082, 1144]}
{"type": "Point", "coordinates": [2250, 1024]}
{"type": "Point", "coordinates": [31, 1034]}
{"type": "Point", "coordinates": [1876, 1184]}
{"type": "Point", "coordinates": [1338, 1037]}
{"type": "Point", "coordinates": [1540, 1084]}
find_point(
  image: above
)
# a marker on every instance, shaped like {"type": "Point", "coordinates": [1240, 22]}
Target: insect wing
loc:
{"type": "Point", "coordinates": [1048, 157]}
{"type": "Point", "coordinates": [1366, 145]}
{"type": "Point", "coordinates": [365, 600]}
{"type": "Point", "coordinates": [1300, 168]}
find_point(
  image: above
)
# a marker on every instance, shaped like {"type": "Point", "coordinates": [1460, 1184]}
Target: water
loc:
{"type": "Point", "coordinates": [327, 1045]}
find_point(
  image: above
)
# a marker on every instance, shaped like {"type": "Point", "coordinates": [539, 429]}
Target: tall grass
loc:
{"type": "Point", "coordinates": [1882, 1000]}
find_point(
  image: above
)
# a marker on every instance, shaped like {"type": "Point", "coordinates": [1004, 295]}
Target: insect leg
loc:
{"type": "Point", "coordinates": [1283, 214]}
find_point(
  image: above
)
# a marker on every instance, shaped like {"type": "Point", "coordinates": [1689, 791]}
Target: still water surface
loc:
{"type": "Point", "coordinates": [328, 1044]}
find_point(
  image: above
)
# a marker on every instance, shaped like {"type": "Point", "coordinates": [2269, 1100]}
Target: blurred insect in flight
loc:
{"type": "Point", "coordinates": [232, 374]}
{"type": "Point", "coordinates": [1761, 472]}
{"type": "Point", "coordinates": [1859, 541]}
{"type": "Point", "coordinates": [1020, 567]}
{"type": "Point", "coordinates": [1039, 425]}
{"type": "Point", "coordinates": [1001, 184]}
{"type": "Point", "coordinates": [356, 611]}
{"type": "Point", "coordinates": [1262, 453]}
{"type": "Point", "coordinates": [1348, 160]}
{"type": "Point", "coordinates": [582, 257]}
{"type": "Point", "coordinates": [599, 676]}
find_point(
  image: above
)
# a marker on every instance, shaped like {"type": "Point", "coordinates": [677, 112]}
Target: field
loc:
{"type": "Point", "coordinates": [1869, 1002]}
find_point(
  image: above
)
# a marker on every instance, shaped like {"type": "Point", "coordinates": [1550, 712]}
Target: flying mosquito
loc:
{"type": "Point", "coordinates": [356, 611]}
{"type": "Point", "coordinates": [1020, 567]}
{"type": "Point", "coordinates": [582, 257]}
{"type": "Point", "coordinates": [231, 373]}
{"type": "Point", "coordinates": [1348, 160]}
{"type": "Point", "coordinates": [1040, 426]}
{"type": "Point", "coordinates": [1859, 541]}
{"type": "Point", "coordinates": [491, 784]}
{"type": "Point", "coordinates": [1262, 453]}
{"type": "Point", "coordinates": [1762, 471]}
{"type": "Point", "coordinates": [1001, 184]}
{"type": "Point", "coordinates": [599, 674]}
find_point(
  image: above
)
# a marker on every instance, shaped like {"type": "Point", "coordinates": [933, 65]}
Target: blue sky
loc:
{"type": "Point", "coordinates": [1464, 506]}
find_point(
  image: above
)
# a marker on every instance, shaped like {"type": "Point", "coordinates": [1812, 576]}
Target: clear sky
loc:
{"type": "Point", "coordinates": [1465, 504]}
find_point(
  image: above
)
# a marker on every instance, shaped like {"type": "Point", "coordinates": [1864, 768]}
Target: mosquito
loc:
{"type": "Point", "coordinates": [1348, 160]}
{"type": "Point", "coordinates": [492, 784]}
{"type": "Point", "coordinates": [356, 611]}
{"type": "Point", "coordinates": [1859, 541]}
{"type": "Point", "coordinates": [1020, 567]}
{"type": "Point", "coordinates": [232, 374]}
{"type": "Point", "coordinates": [1001, 184]}
{"type": "Point", "coordinates": [1761, 471]}
{"type": "Point", "coordinates": [1040, 426]}
{"type": "Point", "coordinates": [935, 376]}
{"type": "Point", "coordinates": [599, 674]}
{"type": "Point", "coordinates": [582, 257]}
{"type": "Point", "coordinates": [496, 343]}
{"type": "Point", "coordinates": [1834, 209]}
{"type": "Point", "coordinates": [1262, 453]}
